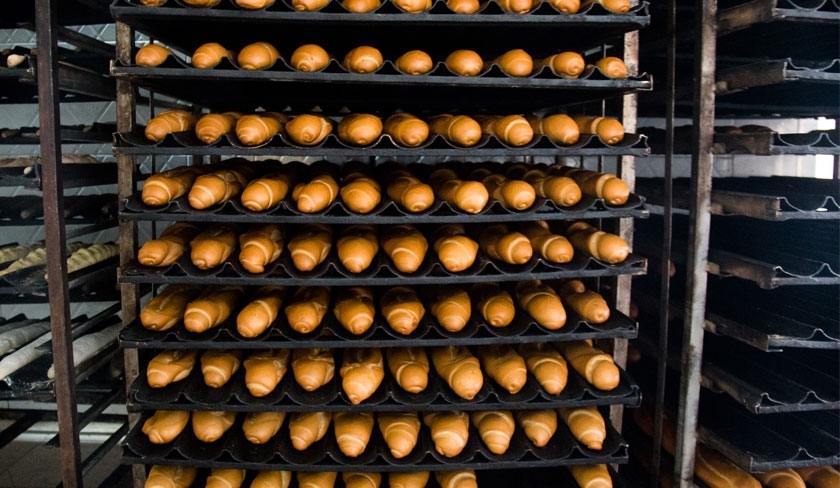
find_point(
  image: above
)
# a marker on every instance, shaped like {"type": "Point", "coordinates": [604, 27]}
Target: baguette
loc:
{"type": "Point", "coordinates": [151, 55]}
{"type": "Point", "coordinates": [495, 429]}
{"type": "Point", "coordinates": [716, 471]}
{"type": "Point", "coordinates": [266, 192]}
{"type": "Point", "coordinates": [88, 256]}
{"type": "Point", "coordinates": [599, 185]}
{"type": "Point", "coordinates": [308, 130]}
{"type": "Point", "coordinates": [209, 55]}
{"type": "Point", "coordinates": [547, 366]}
{"type": "Point", "coordinates": [307, 428]}
{"type": "Point", "coordinates": [449, 431]}
{"type": "Point", "coordinates": [552, 247]}
{"type": "Point", "coordinates": [354, 309]}
{"type": "Point", "coordinates": [409, 366]}
{"type": "Point", "coordinates": [512, 194]}
{"type": "Point", "coordinates": [161, 188]}
{"type": "Point", "coordinates": [515, 62]}
{"type": "Point", "coordinates": [561, 190]}
{"type": "Point", "coordinates": [170, 366]}
{"type": "Point", "coordinates": [225, 478]}
{"type": "Point", "coordinates": [593, 364]}
{"type": "Point", "coordinates": [542, 303]}
{"type": "Point", "coordinates": [166, 123]}
{"type": "Point", "coordinates": [309, 58]}
{"type": "Point", "coordinates": [451, 307]}
{"type": "Point", "coordinates": [494, 304]}
{"type": "Point", "coordinates": [360, 193]}
{"type": "Point", "coordinates": [459, 130]}
{"type": "Point", "coordinates": [504, 365]}
{"type": "Point", "coordinates": [512, 130]}
{"type": "Point", "coordinates": [782, 478]}
{"type": "Point", "coordinates": [256, 56]}
{"type": "Point", "coordinates": [361, 480]}
{"type": "Point", "coordinates": [307, 308]}
{"type": "Point", "coordinates": [169, 247]}
{"type": "Point", "coordinates": [352, 432]}
{"type": "Point", "coordinates": [463, 6]}
{"type": "Point", "coordinates": [170, 477]}
{"type": "Point", "coordinates": [456, 479]}
{"type": "Point", "coordinates": [313, 367]}
{"type": "Point", "coordinates": [469, 196]}
{"type": "Point", "coordinates": [565, 65]}
{"type": "Point", "coordinates": [211, 127]}
{"type": "Point", "coordinates": [498, 242]}
{"type": "Point", "coordinates": [602, 246]}
{"type": "Point", "coordinates": [589, 305]}
{"type": "Point", "coordinates": [260, 427]}
{"type": "Point", "coordinates": [216, 187]}
{"type": "Point", "coordinates": [460, 369]}
{"type": "Point", "coordinates": [406, 129]}
{"type": "Point", "coordinates": [264, 369]}
{"type": "Point", "coordinates": [409, 193]}
{"type": "Point", "coordinates": [592, 476]}
{"type": "Point", "coordinates": [218, 365]}
{"type": "Point", "coordinates": [310, 246]}
{"type": "Point", "coordinates": [260, 246]}
{"type": "Point", "coordinates": [612, 67]}
{"type": "Point", "coordinates": [357, 247]}
{"type": "Point", "coordinates": [400, 431]}
{"type": "Point", "coordinates": [315, 195]}
{"type": "Point", "coordinates": [820, 476]}
{"type": "Point", "coordinates": [272, 479]}
{"type": "Point", "coordinates": [168, 307]}
{"type": "Point", "coordinates": [586, 424]}
{"type": "Point", "coordinates": [464, 62]}
{"type": "Point", "coordinates": [211, 426]}
{"type": "Point", "coordinates": [259, 128]}
{"type": "Point", "coordinates": [614, 6]}
{"type": "Point", "coordinates": [362, 371]}
{"type": "Point", "coordinates": [406, 247]}
{"type": "Point", "coordinates": [363, 59]}
{"type": "Point", "coordinates": [165, 425]}
{"type": "Point", "coordinates": [38, 257]}
{"type": "Point", "coordinates": [402, 309]}
{"type": "Point", "coordinates": [608, 129]}
{"type": "Point", "coordinates": [14, 252]}
{"type": "Point", "coordinates": [261, 312]}
{"type": "Point", "coordinates": [539, 426]}
{"type": "Point", "coordinates": [456, 252]}
{"type": "Point", "coordinates": [318, 479]}
{"type": "Point", "coordinates": [414, 62]}
{"type": "Point", "coordinates": [558, 128]}
{"type": "Point", "coordinates": [212, 307]}
{"type": "Point", "coordinates": [360, 129]}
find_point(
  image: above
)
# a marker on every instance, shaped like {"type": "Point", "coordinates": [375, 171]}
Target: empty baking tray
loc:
{"type": "Point", "coordinates": [759, 143]}
{"type": "Point", "coordinates": [30, 281]}
{"type": "Point", "coordinates": [73, 175]}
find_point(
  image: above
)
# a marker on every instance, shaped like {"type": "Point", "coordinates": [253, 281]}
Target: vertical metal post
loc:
{"type": "Point", "coordinates": [702, 161]}
{"type": "Point", "coordinates": [53, 194]}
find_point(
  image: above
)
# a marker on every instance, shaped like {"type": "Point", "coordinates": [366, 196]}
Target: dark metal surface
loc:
{"type": "Point", "coordinates": [19, 426]}
{"type": "Point", "coordinates": [760, 143]}
{"type": "Point", "coordinates": [70, 12]}
{"type": "Point", "coordinates": [93, 134]}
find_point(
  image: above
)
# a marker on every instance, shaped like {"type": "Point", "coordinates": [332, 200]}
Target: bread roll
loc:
{"type": "Point", "coordinates": [363, 59]}
{"type": "Point", "coordinates": [309, 58]}
{"type": "Point", "coordinates": [402, 309]}
{"type": "Point", "coordinates": [415, 479]}
{"type": "Point", "coordinates": [460, 369]}
{"type": "Point", "coordinates": [313, 367]}
{"type": "Point", "coordinates": [614, 6]}
{"type": "Point", "coordinates": [316, 194]}
{"type": "Point", "coordinates": [354, 309]}
{"type": "Point", "coordinates": [820, 476]}
{"type": "Point", "coordinates": [592, 476]}
{"type": "Point", "coordinates": [547, 366]}
{"type": "Point", "coordinates": [565, 65]}
{"type": "Point", "coordinates": [360, 129]}
{"type": "Point", "coordinates": [589, 305]}
{"type": "Point", "coordinates": [586, 424]}
{"type": "Point", "coordinates": [259, 128]}
{"type": "Point", "coordinates": [170, 366]}
{"type": "Point", "coordinates": [309, 5]}
{"type": "Point", "coordinates": [362, 371]}
{"type": "Point", "coordinates": [513, 130]}
{"type": "Point", "coordinates": [308, 129]}
{"type": "Point", "coordinates": [272, 479]}
{"type": "Point", "coordinates": [316, 479]}
{"type": "Point", "coordinates": [161, 188]}
{"type": "Point", "coordinates": [260, 246]}
{"type": "Point", "coordinates": [357, 247]}
{"type": "Point", "coordinates": [608, 129]}
{"type": "Point", "coordinates": [406, 247]}
{"type": "Point", "coordinates": [498, 242]}
{"type": "Point", "coordinates": [167, 308]}
{"type": "Point", "coordinates": [260, 427]}
{"type": "Point", "coordinates": [212, 307]}
{"type": "Point", "coordinates": [517, 6]}
{"type": "Point", "coordinates": [449, 430]}
{"type": "Point", "coordinates": [408, 192]}
{"type": "Point", "coordinates": [166, 123]}
{"type": "Point", "coordinates": [539, 426]}
{"type": "Point", "coordinates": [261, 312]}
{"type": "Point", "coordinates": [352, 432]}
{"type": "Point", "coordinates": [400, 431]}
{"type": "Point", "coordinates": [451, 307]}
{"type": "Point", "coordinates": [593, 364]}
{"type": "Point", "coordinates": [259, 55]}
{"type": "Point", "coordinates": [310, 246]}
{"type": "Point", "coordinates": [264, 369]}
{"type": "Point", "coordinates": [599, 185]}
{"type": "Point", "coordinates": [602, 246]}
{"type": "Point", "coordinates": [170, 477]}
{"type": "Point", "coordinates": [542, 303]}
{"type": "Point", "coordinates": [211, 426]}
{"type": "Point", "coordinates": [307, 428]}
{"type": "Point", "coordinates": [566, 6]}
{"type": "Point", "coordinates": [415, 62]}
{"type": "Point", "coordinates": [559, 189]}
{"type": "Point", "coordinates": [494, 304]}
{"type": "Point", "coordinates": [781, 478]}
{"type": "Point", "coordinates": [165, 425]}
{"type": "Point", "coordinates": [512, 194]}
{"type": "Point", "coordinates": [456, 479]}
{"type": "Point", "coordinates": [516, 62]}
{"type": "Point", "coordinates": [361, 480]}
{"type": "Point", "coordinates": [216, 187]}
{"type": "Point", "coordinates": [254, 4]}
{"type": "Point", "coordinates": [413, 6]}
{"type": "Point", "coordinates": [209, 55]}
{"type": "Point", "coordinates": [307, 308]}
{"type": "Point", "coordinates": [495, 428]}
{"type": "Point", "coordinates": [360, 193]}
{"type": "Point", "coordinates": [202, 3]}
{"type": "Point", "coordinates": [612, 67]}
{"type": "Point", "coordinates": [211, 127]}
{"type": "Point", "coordinates": [151, 55]}
{"type": "Point", "coordinates": [360, 6]}
{"type": "Point", "coordinates": [266, 192]}
{"type": "Point", "coordinates": [406, 129]}
{"type": "Point", "coordinates": [463, 6]}
{"type": "Point", "coordinates": [409, 366]}
{"type": "Point", "coordinates": [464, 62]}
{"type": "Point", "coordinates": [551, 247]}
{"type": "Point", "coordinates": [469, 196]}
{"type": "Point", "coordinates": [504, 365]}
{"type": "Point", "coordinates": [456, 252]}
{"type": "Point", "coordinates": [716, 471]}
{"type": "Point", "coordinates": [459, 130]}
{"type": "Point", "coordinates": [558, 128]}
{"type": "Point", "coordinates": [169, 247]}
{"type": "Point", "coordinates": [225, 478]}
{"type": "Point", "coordinates": [218, 365]}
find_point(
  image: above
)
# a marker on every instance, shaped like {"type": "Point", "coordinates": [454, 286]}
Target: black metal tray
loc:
{"type": "Point", "coordinates": [81, 134]}
{"type": "Point", "coordinates": [762, 143]}
{"type": "Point", "coordinates": [73, 175]}
{"type": "Point", "coordinates": [30, 281]}
{"type": "Point", "coordinates": [79, 210]}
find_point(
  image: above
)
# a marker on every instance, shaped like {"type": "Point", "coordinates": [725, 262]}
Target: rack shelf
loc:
{"type": "Point", "coordinates": [30, 281]}
{"type": "Point", "coordinates": [76, 84]}
{"type": "Point", "coordinates": [79, 134]}
{"type": "Point", "coordinates": [757, 142]}
{"type": "Point", "coordinates": [75, 175]}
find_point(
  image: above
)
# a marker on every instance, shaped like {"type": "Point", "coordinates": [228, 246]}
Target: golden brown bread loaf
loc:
{"type": "Point", "coordinates": [169, 247]}
{"type": "Point", "coordinates": [504, 365]}
{"type": "Point", "coordinates": [212, 307]}
{"type": "Point", "coordinates": [307, 308]}
{"type": "Point", "coordinates": [608, 129]}
{"type": "Point", "coordinates": [547, 366]}
{"type": "Point", "coordinates": [615, 6]}
{"type": "Point", "coordinates": [211, 426]}
{"type": "Point", "coordinates": [167, 308]}
{"type": "Point", "coordinates": [460, 369]}
{"type": "Point", "coordinates": [513, 130]}
{"type": "Point", "coordinates": [352, 432]}
{"type": "Point", "coordinates": [780, 478]}
{"type": "Point", "coordinates": [451, 307]}
{"type": "Point", "coordinates": [463, 6]}
{"type": "Point", "coordinates": [409, 366]}
{"type": "Point", "coordinates": [310, 246]}
{"type": "Point", "coordinates": [259, 128]}
{"type": "Point", "coordinates": [360, 193]}
{"type": "Point", "coordinates": [307, 428]}
{"type": "Point", "coordinates": [170, 366]}
{"type": "Point", "coordinates": [272, 479]}
{"type": "Point", "coordinates": [561, 190]}
{"type": "Point", "coordinates": [225, 478]}
{"type": "Point", "coordinates": [542, 303]}
{"type": "Point", "coordinates": [402, 309]}
{"type": "Point", "coordinates": [551, 247]}
{"type": "Point", "coordinates": [539, 426]}
{"type": "Point", "coordinates": [361, 480]}
{"type": "Point", "coordinates": [414, 479]}
{"type": "Point", "coordinates": [216, 187]}
{"type": "Point", "coordinates": [517, 6]}
{"type": "Point", "coordinates": [515, 62]}
{"type": "Point", "coordinates": [601, 245]}
{"type": "Point", "coordinates": [593, 364]}
{"type": "Point", "coordinates": [512, 194]}
{"type": "Point", "coordinates": [495, 428]}
{"type": "Point", "coordinates": [357, 247]}
{"type": "Point", "coordinates": [459, 130]}
{"type": "Point", "coordinates": [309, 58]}
{"type": "Point", "coordinates": [254, 4]}
{"type": "Point", "coordinates": [161, 188]}
{"type": "Point", "coordinates": [168, 122]}
{"type": "Point", "coordinates": [266, 192]}
{"type": "Point", "coordinates": [354, 309]}
{"type": "Point", "coordinates": [165, 425]}
{"type": "Point", "coordinates": [260, 246]}
{"type": "Point", "coordinates": [360, 129]}
{"type": "Point", "coordinates": [566, 6]}
{"type": "Point", "coordinates": [456, 479]}
{"type": "Point", "coordinates": [406, 246]}
{"type": "Point", "coordinates": [211, 127]}
{"type": "Point", "coordinates": [261, 312]}
{"type": "Point", "coordinates": [400, 431]}
{"type": "Point", "coordinates": [456, 252]}
{"type": "Point", "coordinates": [449, 431]}
{"type": "Point", "coordinates": [498, 242]}
{"type": "Point", "coordinates": [464, 62]}
{"type": "Point", "coordinates": [820, 476]}
{"type": "Point", "coordinates": [558, 128]}
{"type": "Point", "coordinates": [259, 55]}
{"type": "Point", "coordinates": [716, 471]}
{"type": "Point", "coordinates": [361, 6]}
{"type": "Point", "coordinates": [264, 369]}
{"type": "Point", "coordinates": [406, 129]}
{"type": "Point", "coordinates": [413, 6]}
{"type": "Point", "coordinates": [612, 67]}
{"type": "Point", "coordinates": [260, 427]}
{"type": "Point", "coordinates": [586, 424]}
{"type": "Point", "coordinates": [313, 367]}
{"type": "Point", "coordinates": [308, 129]}
{"type": "Point", "coordinates": [599, 185]}
{"type": "Point", "coordinates": [494, 304]}
{"type": "Point", "coordinates": [316, 194]}
{"type": "Point", "coordinates": [414, 62]}
{"type": "Point", "coordinates": [592, 476]}
{"type": "Point", "coordinates": [209, 55]}
{"type": "Point", "coordinates": [318, 479]}
{"type": "Point", "coordinates": [170, 477]}
{"type": "Point", "coordinates": [151, 55]}
{"type": "Point", "coordinates": [362, 371]}
{"type": "Point", "coordinates": [589, 305]}
{"type": "Point", "coordinates": [309, 5]}
{"type": "Point", "coordinates": [202, 3]}
{"type": "Point", "coordinates": [408, 192]}
{"type": "Point", "coordinates": [218, 365]}
{"type": "Point", "coordinates": [363, 59]}
{"type": "Point", "coordinates": [469, 196]}
{"type": "Point", "coordinates": [565, 65]}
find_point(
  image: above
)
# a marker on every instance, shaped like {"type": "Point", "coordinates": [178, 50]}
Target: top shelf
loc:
{"type": "Point", "coordinates": [70, 12]}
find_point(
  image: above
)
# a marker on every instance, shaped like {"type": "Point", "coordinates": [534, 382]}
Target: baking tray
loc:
{"type": "Point", "coordinates": [71, 12]}
{"type": "Point", "coordinates": [760, 143]}
{"type": "Point", "coordinates": [30, 281]}
{"type": "Point", "coordinates": [81, 134]}
{"type": "Point", "coordinates": [24, 210]}
{"type": "Point", "coordinates": [234, 451]}
{"type": "Point", "coordinates": [74, 175]}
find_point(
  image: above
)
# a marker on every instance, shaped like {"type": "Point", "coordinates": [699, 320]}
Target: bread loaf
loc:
{"type": "Point", "coordinates": [414, 479]}
{"type": "Point", "coordinates": [608, 129]}
{"type": "Point", "coordinates": [612, 67]}
{"type": "Point", "coordinates": [599, 185]}
{"type": "Point", "coordinates": [402, 309]}
{"type": "Point", "coordinates": [781, 478]}
{"type": "Point", "coordinates": [449, 430]}
{"type": "Point", "coordinates": [592, 476]}
{"type": "Point", "coordinates": [169, 247]}
{"type": "Point", "coordinates": [202, 3]}
{"type": "Point", "coordinates": [170, 477]}
{"type": "Point", "coordinates": [309, 58]}
{"type": "Point", "coordinates": [494, 304]}
{"type": "Point", "coordinates": [260, 427]}
{"type": "Point", "coordinates": [406, 129]}
{"type": "Point", "coordinates": [406, 247]}
{"type": "Point", "coordinates": [225, 478]}
{"type": "Point", "coordinates": [209, 55]}
{"type": "Point", "coordinates": [558, 128]}
{"type": "Point", "coordinates": [614, 6]}
{"type": "Point", "coordinates": [310, 246]}
{"type": "Point", "coordinates": [259, 55]}
{"type": "Point", "coordinates": [400, 431]}
{"type": "Point", "coordinates": [504, 365]}
{"type": "Point", "coordinates": [460, 369]}
{"type": "Point", "coordinates": [547, 366]}
{"type": "Point", "coordinates": [360, 193]}
{"type": "Point", "coordinates": [498, 242]}
{"type": "Point", "coordinates": [352, 432]}
{"type": "Point", "coordinates": [565, 65]}
{"type": "Point", "coordinates": [409, 366]}
{"type": "Point", "coordinates": [212, 307]}
{"type": "Point", "coordinates": [469, 196]}
{"type": "Point", "coordinates": [211, 426]}
{"type": "Point", "coordinates": [260, 246]}
{"type": "Point", "coordinates": [566, 6]}
{"type": "Point", "coordinates": [354, 309]}
{"type": "Point", "coordinates": [495, 428]}
{"type": "Point", "coordinates": [517, 6]}
{"type": "Point", "coordinates": [559, 189]}
{"type": "Point", "coordinates": [593, 364]}
{"type": "Point", "coordinates": [170, 366]}
{"type": "Point", "coordinates": [318, 479]}
{"type": "Point", "coordinates": [361, 6]}
{"type": "Point", "coordinates": [539, 426]}
{"type": "Point", "coordinates": [259, 128]}
{"type": "Point", "coordinates": [716, 471]}
{"type": "Point", "coordinates": [361, 480]}
{"type": "Point", "coordinates": [167, 308]}
{"type": "Point", "coordinates": [168, 122]}
{"type": "Point", "coordinates": [551, 247]}
{"type": "Point", "coordinates": [589, 305]}
{"type": "Point", "coordinates": [515, 62]}
{"type": "Point", "coordinates": [408, 192]}
{"type": "Point", "coordinates": [309, 5]}
{"type": "Point", "coordinates": [216, 187]}
{"type": "Point", "coordinates": [307, 308]}
{"type": "Point", "coordinates": [357, 247]}
{"type": "Point", "coordinates": [254, 4]}
{"type": "Point", "coordinates": [512, 130]}
{"type": "Point", "coordinates": [360, 129]}
{"type": "Point", "coordinates": [464, 62]}
{"type": "Point", "coordinates": [512, 194]}
{"type": "Point", "coordinates": [414, 62]}
{"type": "Point", "coordinates": [218, 365]}
{"type": "Point", "coordinates": [211, 127]}
{"type": "Point", "coordinates": [313, 367]}
{"type": "Point", "coordinates": [165, 425]}
{"type": "Point", "coordinates": [151, 55]}
{"type": "Point", "coordinates": [266, 192]}
{"type": "Point", "coordinates": [272, 479]}
{"type": "Point", "coordinates": [264, 369]}
{"type": "Point", "coordinates": [362, 371]}
{"type": "Point", "coordinates": [456, 252]}
{"type": "Point", "coordinates": [820, 476]}
{"type": "Point", "coordinates": [307, 428]}
{"type": "Point", "coordinates": [316, 194]}
{"type": "Point", "coordinates": [451, 307]}
{"type": "Point", "coordinates": [161, 188]}
{"type": "Point", "coordinates": [602, 246]}
{"type": "Point", "coordinates": [459, 130]}
{"type": "Point", "coordinates": [363, 59]}
{"type": "Point", "coordinates": [542, 303]}
{"type": "Point", "coordinates": [456, 479]}
{"type": "Point", "coordinates": [463, 6]}
{"type": "Point", "coordinates": [308, 130]}
{"type": "Point", "coordinates": [261, 312]}
{"type": "Point", "coordinates": [586, 424]}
